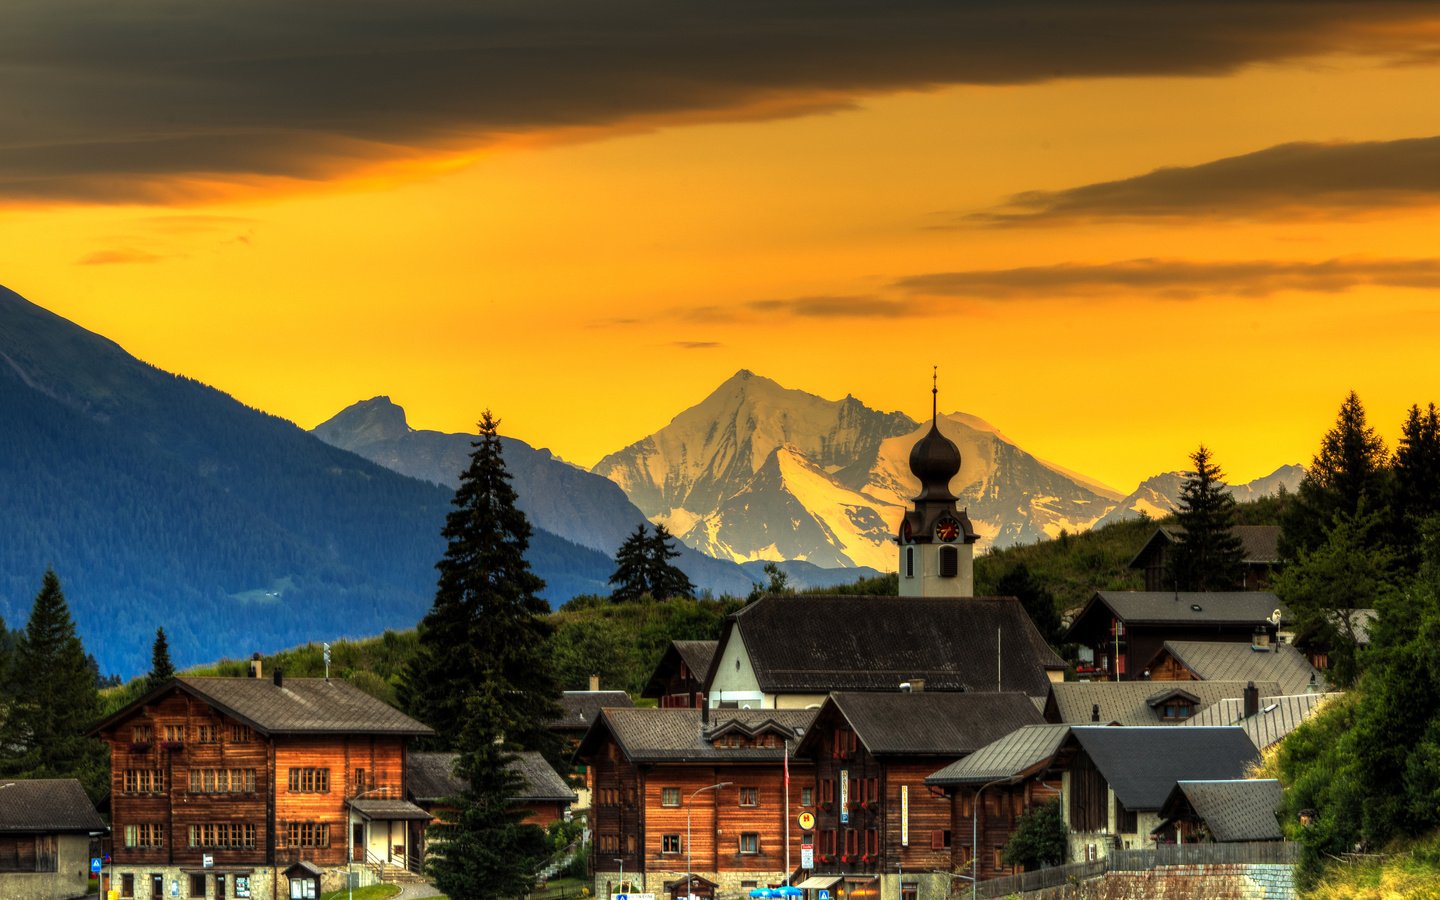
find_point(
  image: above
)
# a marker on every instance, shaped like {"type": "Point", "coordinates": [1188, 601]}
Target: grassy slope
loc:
{"type": "Point", "coordinates": [1408, 870]}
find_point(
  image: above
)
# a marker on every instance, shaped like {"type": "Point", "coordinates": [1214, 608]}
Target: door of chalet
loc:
{"type": "Point", "coordinates": [357, 840]}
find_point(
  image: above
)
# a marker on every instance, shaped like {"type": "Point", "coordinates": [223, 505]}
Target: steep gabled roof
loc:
{"type": "Point", "coordinates": [926, 724]}
{"type": "Point", "coordinates": [676, 734]}
{"type": "Point", "coordinates": [431, 778]}
{"type": "Point", "coordinates": [1259, 544]}
{"type": "Point", "coordinates": [1180, 607]}
{"type": "Point", "coordinates": [1023, 752]}
{"type": "Point", "coordinates": [820, 643]}
{"type": "Point", "coordinates": [1142, 764]}
{"type": "Point", "coordinates": [47, 806]}
{"type": "Point", "coordinates": [298, 706]}
{"type": "Point", "coordinates": [1239, 661]}
{"type": "Point", "coordinates": [580, 709]}
{"type": "Point", "coordinates": [696, 655]}
{"type": "Point", "coordinates": [1236, 809]}
{"type": "Point", "coordinates": [1278, 716]}
{"type": "Point", "coordinates": [1128, 702]}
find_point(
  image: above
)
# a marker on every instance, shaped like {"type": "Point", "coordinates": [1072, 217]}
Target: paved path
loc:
{"type": "Point", "coordinates": [409, 891]}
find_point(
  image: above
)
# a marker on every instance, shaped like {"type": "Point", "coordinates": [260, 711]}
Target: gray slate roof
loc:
{"type": "Point", "coordinates": [383, 809]}
{"type": "Point", "coordinates": [1128, 702]}
{"type": "Point", "coordinates": [580, 709]}
{"type": "Point", "coordinates": [1259, 544]}
{"type": "Point", "coordinates": [676, 734]}
{"type": "Point", "coordinates": [46, 806]}
{"type": "Point", "coordinates": [1238, 661]}
{"type": "Point", "coordinates": [1143, 764]}
{"type": "Point", "coordinates": [300, 706]}
{"type": "Point", "coordinates": [931, 724]}
{"type": "Point", "coordinates": [1278, 716]}
{"type": "Point", "coordinates": [430, 778]}
{"type": "Point", "coordinates": [1179, 608]}
{"type": "Point", "coordinates": [820, 643]}
{"type": "Point", "coordinates": [1021, 752]}
{"type": "Point", "coordinates": [697, 656]}
{"type": "Point", "coordinates": [1232, 809]}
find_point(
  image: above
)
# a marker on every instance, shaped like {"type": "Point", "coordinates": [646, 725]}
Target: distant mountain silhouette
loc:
{"type": "Point", "coordinates": [161, 501]}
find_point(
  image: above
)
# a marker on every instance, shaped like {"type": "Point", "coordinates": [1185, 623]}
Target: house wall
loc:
{"type": "Point", "coordinates": [383, 762]}
{"type": "Point", "coordinates": [70, 878]}
{"type": "Point", "coordinates": [999, 808]}
{"type": "Point", "coordinates": [1169, 669]}
{"type": "Point", "coordinates": [735, 679]}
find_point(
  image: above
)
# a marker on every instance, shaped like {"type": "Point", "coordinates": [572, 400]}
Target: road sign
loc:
{"type": "Point", "coordinates": [634, 897]}
{"type": "Point", "coordinates": [824, 895]}
{"type": "Point", "coordinates": [807, 857]}
{"type": "Point", "coordinates": [95, 864]}
{"type": "Point", "coordinates": [807, 820]}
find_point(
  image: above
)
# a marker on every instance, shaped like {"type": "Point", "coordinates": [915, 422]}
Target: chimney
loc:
{"type": "Point", "coordinates": [1261, 639]}
{"type": "Point", "coordinates": [594, 682]}
{"type": "Point", "coordinates": [917, 685]}
{"type": "Point", "coordinates": [255, 665]}
{"type": "Point", "coordinates": [1094, 712]}
{"type": "Point", "coordinates": [279, 677]}
{"type": "Point", "coordinates": [1252, 700]}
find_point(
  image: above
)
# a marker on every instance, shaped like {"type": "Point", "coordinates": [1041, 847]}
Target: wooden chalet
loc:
{"type": "Point", "coordinates": [679, 679]}
{"type": "Point", "coordinates": [220, 784]}
{"type": "Point", "coordinates": [654, 773]}
{"type": "Point", "coordinates": [878, 826]}
{"type": "Point", "coordinates": [991, 788]}
{"type": "Point", "coordinates": [1235, 661]}
{"type": "Point", "coordinates": [1236, 809]}
{"type": "Point", "coordinates": [47, 829]}
{"type": "Point", "coordinates": [543, 795]}
{"type": "Point", "coordinates": [1260, 548]}
{"type": "Point", "coordinates": [790, 652]}
{"type": "Point", "coordinates": [578, 711]}
{"type": "Point", "coordinates": [1119, 632]}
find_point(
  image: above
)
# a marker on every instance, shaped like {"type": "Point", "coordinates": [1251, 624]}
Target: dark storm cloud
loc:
{"type": "Point", "coordinates": [112, 101]}
{"type": "Point", "coordinates": [1286, 180]}
{"type": "Point", "coordinates": [1174, 279]}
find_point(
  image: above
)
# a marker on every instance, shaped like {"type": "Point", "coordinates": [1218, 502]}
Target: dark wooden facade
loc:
{"type": "Point", "coordinates": [986, 827]}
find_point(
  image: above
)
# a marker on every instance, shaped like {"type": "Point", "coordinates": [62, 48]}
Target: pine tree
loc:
{"type": "Point", "coordinates": [1347, 477]}
{"type": "Point", "coordinates": [161, 669]}
{"type": "Point", "coordinates": [487, 623]}
{"type": "Point", "coordinates": [666, 581]}
{"type": "Point", "coordinates": [1417, 477]}
{"type": "Point", "coordinates": [631, 567]}
{"type": "Point", "coordinates": [1037, 599]}
{"type": "Point", "coordinates": [54, 700]}
{"type": "Point", "coordinates": [1208, 556]}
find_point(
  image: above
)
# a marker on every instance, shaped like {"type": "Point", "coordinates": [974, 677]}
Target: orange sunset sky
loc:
{"type": "Point", "coordinates": [1119, 229]}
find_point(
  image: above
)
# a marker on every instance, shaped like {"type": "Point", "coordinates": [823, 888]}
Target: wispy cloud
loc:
{"type": "Point", "coordinates": [1172, 279]}
{"type": "Point", "coordinates": [112, 257]}
{"type": "Point", "coordinates": [697, 345]}
{"type": "Point", "coordinates": [1289, 180]}
{"type": "Point", "coordinates": [115, 102]}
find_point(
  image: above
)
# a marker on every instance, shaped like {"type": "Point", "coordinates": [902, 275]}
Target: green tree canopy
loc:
{"type": "Point", "coordinates": [1037, 599]}
{"type": "Point", "coordinates": [1208, 556]}
{"type": "Point", "coordinates": [1039, 839]}
{"type": "Point", "coordinates": [642, 567]}
{"type": "Point", "coordinates": [1348, 475]}
{"type": "Point", "coordinates": [54, 700]}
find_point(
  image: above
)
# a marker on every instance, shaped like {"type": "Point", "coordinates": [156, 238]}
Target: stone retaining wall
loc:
{"type": "Point", "coordinates": [1255, 881]}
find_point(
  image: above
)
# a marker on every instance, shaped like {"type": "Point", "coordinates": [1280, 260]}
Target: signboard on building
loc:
{"type": "Point", "coordinates": [844, 796]}
{"type": "Point", "coordinates": [207, 860]}
{"type": "Point", "coordinates": [807, 821]}
{"type": "Point", "coordinates": [807, 857]}
{"type": "Point", "coordinates": [634, 897]}
{"type": "Point", "coordinates": [904, 815]}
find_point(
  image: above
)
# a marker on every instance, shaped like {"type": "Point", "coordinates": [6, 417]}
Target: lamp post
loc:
{"type": "Point", "coordinates": [709, 787]}
{"type": "Point", "coordinates": [975, 837]}
{"type": "Point", "coordinates": [621, 861]}
{"type": "Point", "coordinates": [350, 839]}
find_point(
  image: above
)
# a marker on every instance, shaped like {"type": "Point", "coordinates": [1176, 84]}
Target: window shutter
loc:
{"type": "Point", "coordinates": [937, 840]}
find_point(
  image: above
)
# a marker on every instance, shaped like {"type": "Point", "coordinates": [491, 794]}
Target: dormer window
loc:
{"type": "Point", "coordinates": [1177, 709]}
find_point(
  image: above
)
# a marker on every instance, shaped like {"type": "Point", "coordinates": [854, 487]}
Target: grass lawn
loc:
{"type": "Point", "coordinates": [560, 889]}
{"type": "Point", "coordinates": [374, 892]}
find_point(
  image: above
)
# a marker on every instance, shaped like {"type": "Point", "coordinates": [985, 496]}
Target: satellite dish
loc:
{"type": "Point", "coordinates": [1275, 618]}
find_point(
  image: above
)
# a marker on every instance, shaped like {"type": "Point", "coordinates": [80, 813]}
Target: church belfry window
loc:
{"type": "Point", "coordinates": [909, 562]}
{"type": "Point", "coordinates": [949, 562]}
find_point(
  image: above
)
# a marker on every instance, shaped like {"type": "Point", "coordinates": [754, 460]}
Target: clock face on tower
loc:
{"type": "Point", "coordinates": [905, 531]}
{"type": "Point", "coordinates": [948, 530]}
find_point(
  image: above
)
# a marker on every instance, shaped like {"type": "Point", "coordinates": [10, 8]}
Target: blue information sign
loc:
{"type": "Point", "coordinates": [95, 865]}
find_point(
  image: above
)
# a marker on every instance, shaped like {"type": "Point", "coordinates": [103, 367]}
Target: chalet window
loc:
{"type": "Point", "coordinates": [844, 743]}
{"type": "Point", "coordinates": [949, 562]}
{"type": "Point", "coordinates": [630, 843]}
{"type": "Point", "coordinates": [222, 781]}
{"type": "Point", "coordinates": [144, 781]}
{"type": "Point", "coordinates": [749, 796]}
{"type": "Point", "coordinates": [872, 842]}
{"type": "Point", "coordinates": [997, 858]}
{"type": "Point", "coordinates": [827, 791]}
{"type": "Point", "coordinates": [1017, 804]}
{"type": "Point", "coordinates": [749, 842]}
{"type": "Point", "coordinates": [310, 781]}
{"type": "Point", "coordinates": [197, 885]}
{"type": "Point", "coordinates": [145, 834]}
{"type": "Point", "coordinates": [670, 843]}
{"type": "Point", "coordinates": [992, 804]}
{"type": "Point", "coordinates": [174, 734]}
{"type": "Point", "coordinates": [223, 835]}
{"type": "Point", "coordinates": [307, 834]}
{"type": "Point", "coordinates": [827, 842]}
{"type": "Point", "coordinates": [360, 784]}
{"type": "Point", "coordinates": [909, 562]}
{"type": "Point", "coordinates": [852, 842]}
{"type": "Point", "coordinates": [807, 796]}
{"type": "Point", "coordinates": [909, 890]}
{"type": "Point", "coordinates": [872, 790]}
{"type": "Point", "coordinates": [241, 734]}
{"type": "Point", "coordinates": [207, 734]}
{"type": "Point", "coordinates": [669, 796]}
{"type": "Point", "coordinates": [940, 839]}
{"type": "Point", "coordinates": [1177, 709]}
{"type": "Point", "coordinates": [142, 734]}
{"type": "Point", "coordinates": [127, 885]}
{"type": "Point", "coordinates": [967, 805]}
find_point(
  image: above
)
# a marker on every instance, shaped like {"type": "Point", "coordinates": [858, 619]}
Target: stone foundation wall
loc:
{"type": "Point", "coordinates": [728, 884]}
{"type": "Point", "coordinates": [1255, 881]}
{"type": "Point", "coordinates": [266, 883]}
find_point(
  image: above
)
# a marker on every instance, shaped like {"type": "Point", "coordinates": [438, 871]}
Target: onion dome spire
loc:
{"type": "Point", "coordinates": [935, 459]}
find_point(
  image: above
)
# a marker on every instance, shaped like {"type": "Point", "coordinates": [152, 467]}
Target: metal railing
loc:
{"type": "Point", "coordinates": [1240, 853]}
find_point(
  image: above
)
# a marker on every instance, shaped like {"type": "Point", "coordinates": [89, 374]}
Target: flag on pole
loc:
{"type": "Point", "coordinates": [787, 766]}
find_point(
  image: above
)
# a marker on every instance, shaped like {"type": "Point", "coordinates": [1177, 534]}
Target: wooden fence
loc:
{"type": "Point", "coordinates": [1259, 852]}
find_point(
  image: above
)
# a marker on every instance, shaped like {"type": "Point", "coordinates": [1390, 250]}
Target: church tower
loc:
{"type": "Point", "coordinates": [937, 557]}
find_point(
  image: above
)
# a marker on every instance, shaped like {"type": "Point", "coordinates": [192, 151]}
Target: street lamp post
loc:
{"type": "Point", "coordinates": [621, 861]}
{"type": "Point", "coordinates": [350, 839]}
{"type": "Point", "coordinates": [975, 837]}
{"type": "Point", "coordinates": [688, 862]}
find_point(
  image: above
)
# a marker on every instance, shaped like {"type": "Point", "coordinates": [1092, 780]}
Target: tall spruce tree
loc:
{"type": "Point", "coordinates": [631, 578]}
{"type": "Point", "coordinates": [482, 678]}
{"type": "Point", "coordinates": [161, 669]}
{"type": "Point", "coordinates": [53, 700]}
{"type": "Point", "coordinates": [1416, 494]}
{"type": "Point", "coordinates": [1208, 556]}
{"type": "Point", "coordinates": [1347, 477]}
{"type": "Point", "coordinates": [1037, 599]}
